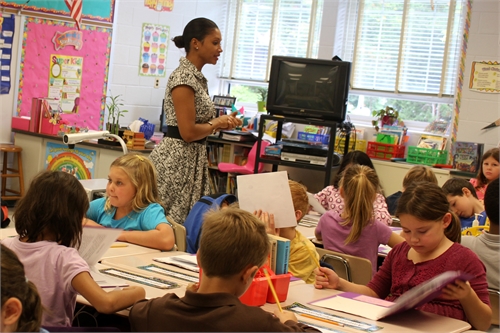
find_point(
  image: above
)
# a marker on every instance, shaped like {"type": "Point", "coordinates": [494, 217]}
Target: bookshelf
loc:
{"type": "Point", "coordinates": [219, 150]}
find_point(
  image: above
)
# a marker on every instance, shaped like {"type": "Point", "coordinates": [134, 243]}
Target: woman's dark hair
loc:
{"type": "Point", "coordinates": [197, 28]}
{"type": "Point", "coordinates": [15, 284]}
{"type": "Point", "coordinates": [352, 157]}
{"type": "Point", "coordinates": [54, 205]}
{"type": "Point", "coordinates": [427, 202]}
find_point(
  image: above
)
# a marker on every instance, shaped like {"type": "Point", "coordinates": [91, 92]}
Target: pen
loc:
{"type": "Point", "coordinates": [118, 245]}
{"type": "Point", "coordinates": [272, 290]}
{"type": "Point", "coordinates": [321, 319]}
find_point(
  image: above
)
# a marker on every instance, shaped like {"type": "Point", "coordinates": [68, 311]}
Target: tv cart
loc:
{"type": "Point", "coordinates": [310, 121]}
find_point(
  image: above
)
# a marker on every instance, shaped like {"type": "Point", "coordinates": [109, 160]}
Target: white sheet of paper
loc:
{"type": "Point", "coordinates": [269, 192]}
{"type": "Point", "coordinates": [315, 204]}
{"type": "Point", "coordinates": [95, 242]}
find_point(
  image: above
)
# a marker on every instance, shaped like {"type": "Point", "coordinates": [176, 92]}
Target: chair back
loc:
{"type": "Point", "coordinates": [252, 155]}
{"type": "Point", "coordinates": [351, 268]}
{"type": "Point", "coordinates": [494, 300]}
{"type": "Point", "coordinates": [180, 235]}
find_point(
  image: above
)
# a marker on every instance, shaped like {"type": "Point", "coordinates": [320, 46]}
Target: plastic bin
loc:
{"type": "Point", "coordinates": [426, 156]}
{"type": "Point", "coordinates": [385, 151]}
{"type": "Point", "coordinates": [340, 144]}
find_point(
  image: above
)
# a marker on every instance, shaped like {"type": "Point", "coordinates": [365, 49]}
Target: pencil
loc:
{"type": "Point", "coordinates": [118, 245]}
{"type": "Point", "coordinates": [272, 290]}
{"type": "Point", "coordinates": [321, 319]}
{"type": "Point", "coordinates": [313, 257]}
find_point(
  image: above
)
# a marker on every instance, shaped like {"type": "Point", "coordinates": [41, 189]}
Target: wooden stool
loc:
{"type": "Point", "coordinates": [15, 173]}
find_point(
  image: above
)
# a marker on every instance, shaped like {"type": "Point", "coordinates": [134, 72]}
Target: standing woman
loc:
{"type": "Point", "coordinates": [181, 157]}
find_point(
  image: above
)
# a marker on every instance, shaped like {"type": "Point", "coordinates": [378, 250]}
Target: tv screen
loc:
{"type": "Point", "coordinates": [308, 88]}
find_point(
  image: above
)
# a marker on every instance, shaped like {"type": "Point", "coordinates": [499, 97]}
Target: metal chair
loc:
{"type": "Point", "coordinates": [180, 235]}
{"type": "Point", "coordinates": [351, 268]}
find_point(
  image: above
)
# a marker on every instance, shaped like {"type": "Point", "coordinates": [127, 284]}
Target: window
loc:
{"type": "Point", "coordinates": [405, 53]}
{"type": "Point", "coordinates": [259, 29]}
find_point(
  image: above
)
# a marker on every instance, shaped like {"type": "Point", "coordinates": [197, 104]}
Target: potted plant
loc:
{"type": "Point", "coordinates": [261, 104]}
{"type": "Point", "coordinates": [113, 105]}
{"type": "Point", "coordinates": [388, 116]}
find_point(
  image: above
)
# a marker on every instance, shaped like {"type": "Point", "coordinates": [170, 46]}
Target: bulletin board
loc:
{"type": "Point", "coordinates": [99, 10]}
{"type": "Point", "coordinates": [37, 52]}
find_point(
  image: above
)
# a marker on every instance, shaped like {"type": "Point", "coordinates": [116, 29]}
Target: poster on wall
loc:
{"type": "Point", "coordinates": [160, 5]}
{"type": "Point", "coordinates": [37, 70]}
{"type": "Point", "coordinates": [65, 81]}
{"type": "Point", "coordinates": [96, 10]}
{"type": "Point", "coordinates": [6, 37]}
{"type": "Point", "coordinates": [153, 49]}
{"type": "Point", "coordinates": [79, 162]}
{"type": "Point", "coordinates": [485, 76]}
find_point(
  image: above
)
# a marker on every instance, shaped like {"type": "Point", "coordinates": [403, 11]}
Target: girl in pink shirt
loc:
{"type": "Point", "coordinates": [355, 231]}
{"type": "Point", "coordinates": [488, 171]}
{"type": "Point", "coordinates": [331, 199]}
{"type": "Point", "coordinates": [432, 234]}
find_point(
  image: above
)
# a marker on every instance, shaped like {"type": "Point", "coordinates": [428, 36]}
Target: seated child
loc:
{"type": "Point", "coordinates": [432, 234]}
{"type": "Point", "coordinates": [488, 171]}
{"type": "Point", "coordinates": [330, 197]}
{"type": "Point", "coordinates": [228, 268]}
{"type": "Point", "coordinates": [418, 173]}
{"type": "Point", "coordinates": [300, 263]}
{"type": "Point", "coordinates": [49, 227]}
{"type": "Point", "coordinates": [133, 203]}
{"type": "Point", "coordinates": [487, 245]}
{"type": "Point", "coordinates": [464, 202]}
{"type": "Point", "coordinates": [355, 231]}
{"type": "Point", "coordinates": [21, 304]}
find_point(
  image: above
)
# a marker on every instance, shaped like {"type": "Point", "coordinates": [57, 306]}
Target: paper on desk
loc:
{"type": "Point", "coordinates": [95, 242]}
{"type": "Point", "coordinates": [185, 261]}
{"type": "Point", "coordinates": [269, 192]}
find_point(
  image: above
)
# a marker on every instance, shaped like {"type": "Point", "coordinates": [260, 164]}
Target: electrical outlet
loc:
{"type": "Point", "coordinates": [157, 83]}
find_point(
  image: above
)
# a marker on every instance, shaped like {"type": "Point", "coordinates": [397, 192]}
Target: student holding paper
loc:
{"type": "Point", "coordinates": [431, 232]}
{"type": "Point", "coordinates": [228, 268]}
{"type": "Point", "coordinates": [50, 229]}
{"type": "Point", "coordinates": [133, 203]}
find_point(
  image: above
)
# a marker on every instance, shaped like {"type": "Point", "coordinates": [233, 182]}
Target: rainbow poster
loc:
{"type": "Point", "coordinates": [78, 162]}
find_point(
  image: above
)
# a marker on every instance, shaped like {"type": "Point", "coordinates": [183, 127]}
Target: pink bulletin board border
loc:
{"type": "Point", "coordinates": [35, 67]}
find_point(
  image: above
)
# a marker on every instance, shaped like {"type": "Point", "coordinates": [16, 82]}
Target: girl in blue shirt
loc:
{"type": "Point", "coordinates": [132, 203]}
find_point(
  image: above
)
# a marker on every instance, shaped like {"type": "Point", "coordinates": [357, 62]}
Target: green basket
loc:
{"type": "Point", "coordinates": [426, 156]}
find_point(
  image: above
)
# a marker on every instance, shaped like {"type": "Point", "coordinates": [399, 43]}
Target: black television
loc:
{"type": "Point", "coordinates": [308, 88]}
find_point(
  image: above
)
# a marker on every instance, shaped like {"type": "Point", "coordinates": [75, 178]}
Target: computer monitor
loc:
{"type": "Point", "coordinates": [308, 88]}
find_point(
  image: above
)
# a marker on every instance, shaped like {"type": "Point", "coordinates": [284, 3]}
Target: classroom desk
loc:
{"type": "Point", "coordinates": [7, 232]}
{"type": "Point", "coordinates": [409, 321]}
{"type": "Point", "coordinates": [122, 249]}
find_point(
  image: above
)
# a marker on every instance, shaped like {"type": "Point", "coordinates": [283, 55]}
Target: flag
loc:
{"type": "Point", "coordinates": [75, 10]}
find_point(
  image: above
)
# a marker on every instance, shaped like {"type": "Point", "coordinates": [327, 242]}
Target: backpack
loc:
{"type": "Point", "coordinates": [194, 220]}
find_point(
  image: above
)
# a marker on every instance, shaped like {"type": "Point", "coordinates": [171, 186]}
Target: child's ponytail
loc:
{"type": "Point", "coordinates": [359, 189]}
{"type": "Point", "coordinates": [31, 317]}
{"type": "Point", "coordinates": [454, 230]}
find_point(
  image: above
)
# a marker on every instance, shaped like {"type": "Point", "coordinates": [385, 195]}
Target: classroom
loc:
{"type": "Point", "coordinates": [122, 54]}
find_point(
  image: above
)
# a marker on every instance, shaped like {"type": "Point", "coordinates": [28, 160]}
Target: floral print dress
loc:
{"type": "Point", "coordinates": [182, 167]}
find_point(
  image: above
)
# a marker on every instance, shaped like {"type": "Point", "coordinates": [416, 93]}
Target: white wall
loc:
{"type": "Point", "coordinates": [140, 96]}
{"type": "Point", "coordinates": [480, 109]}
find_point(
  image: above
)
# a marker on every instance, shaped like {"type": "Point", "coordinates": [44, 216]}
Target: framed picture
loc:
{"type": "Point", "coordinates": [225, 101]}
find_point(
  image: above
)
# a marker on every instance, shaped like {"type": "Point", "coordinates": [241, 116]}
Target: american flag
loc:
{"type": "Point", "coordinates": [75, 9]}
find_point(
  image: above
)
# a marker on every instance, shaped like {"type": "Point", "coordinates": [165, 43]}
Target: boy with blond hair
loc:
{"type": "Point", "coordinates": [418, 173]}
{"type": "Point", "coordinates": [303, 257]}
{"type": "Point", "coordinates": [233, 246]}
{"type": "Point", "coordinates": [464, 202]}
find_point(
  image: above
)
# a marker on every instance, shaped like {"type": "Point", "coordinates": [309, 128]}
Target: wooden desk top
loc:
{"type": "Point", "coordinates": [122, 249]}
